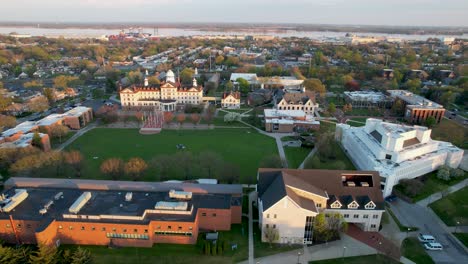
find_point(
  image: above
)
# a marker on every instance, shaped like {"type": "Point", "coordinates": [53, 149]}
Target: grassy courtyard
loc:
{"type": "Point", "coordinates": [296, 156]}
{"type": "Point", "coordinates": [242, 147]}
{"type": "Point", "coordinates": [369, 259]}
{"type": "Point", "coordinates": [463, 237]}
{"type": "Point", "coordinates": [413, 250]}
{"type": "Point", "coordinates": [448, 130]}
{"type": "Point", "coordinates": [453, 208]}
{"type": "Point", "coordinates": [341, 162]}
{"type": "Point", "coordinates": [176, 254]}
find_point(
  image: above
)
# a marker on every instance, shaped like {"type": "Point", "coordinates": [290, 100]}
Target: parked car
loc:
{"type": "Point", "coordinates": [426, 238]}
{"type": "Point", "coordinates": [391, 198]}
{"type": "Point", "coordinates": [433, 246]}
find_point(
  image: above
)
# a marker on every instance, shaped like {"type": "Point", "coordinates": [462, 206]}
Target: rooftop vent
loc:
{"type": "Point", "coordinates": [128, 196]}
{"type": "Point", "coordinates": [364, 184]}
{"type": "Point", "coordinates": [80, 202]}
{"type": "Point", "coordinates": [174, 206]}
{"type": "Point", "coordinates": [58, 196]}
{"type": "Point", "coordinates": [351, 184]}
{"type": "Point", "coordinates": [43, 211]}
{"type": "Point", "coordinates": [180, 195]}
{"type": "Point", "coordinates": [20, 195]}
{"type": "Point", "coordinates": [48, 204]}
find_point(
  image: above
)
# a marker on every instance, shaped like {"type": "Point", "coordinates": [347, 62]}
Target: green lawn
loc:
{"type": "Point", "coordinates": [364, 112]}
{"type": "Point", "coordinates": [448, 130]}
{"type": "Point", "coordinates": [341, 162]}
{"type": "Point", "coordinates": [413, 250]}
{"type": "Point", "coordinates": [243, 147]}
{"type": "Point", "coordinates": [264, 249]}
{"type": "Point", "coordinates": [453, 208]}
{"type": "Point", "coordinates": [432, 184]}
{"type": "Point", "coordinates": [55, 142]}
{"type": "Point", "coordinates": [357, 121]}
{"type": "Point", "coordinates": [296, 156]}
{"type": "Point", "coordinates": [176, 254]}
{"type": "Point", "coordinates": [463, 237]}
{"type": "Point", "coordinates": [369, 259]}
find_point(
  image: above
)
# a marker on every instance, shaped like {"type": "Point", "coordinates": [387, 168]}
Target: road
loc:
{"type": "Point", "coordinates": [428, 223]}
{"type": "Point", "coordinates": [456, 118]}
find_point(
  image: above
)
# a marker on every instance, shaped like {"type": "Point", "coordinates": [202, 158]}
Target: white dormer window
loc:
{"type": "Point", "coordinates": [335, 205]}
{"type": "Point", "coordinates": [370, 205]}
{"type": "Point", "coordinates": [353, 205]}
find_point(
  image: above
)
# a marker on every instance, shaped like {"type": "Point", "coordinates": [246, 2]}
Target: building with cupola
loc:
{"type": "Point", "coordinates": [165, 97]}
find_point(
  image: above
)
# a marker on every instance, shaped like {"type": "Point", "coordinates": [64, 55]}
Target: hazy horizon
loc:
{"type": "Point", "coordinates": [449, 13]}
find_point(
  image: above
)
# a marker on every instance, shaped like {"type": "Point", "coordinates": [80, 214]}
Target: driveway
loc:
{"type": "Point", "coordinates": [428, 223]}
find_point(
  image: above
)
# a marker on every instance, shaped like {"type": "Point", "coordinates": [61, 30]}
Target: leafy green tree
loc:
{"type": "Point", "coordinates": [443, 173]}
{"type": "Point", "coordinates": [37, 141]}
{"type": "Point", "coordinates": [229, 86]}
{"type": "Point", "coordinates": [49, 94]}
{"type": "Point", "coordinates": [44, 255]}
{"type": "Point", "coordinates": [244, 85]}
{"type": "Point", "coordinates": [413, 85]}
{"type": "Point", "coordinates": [81, 256]}
{"type": "Point", "coordinates": [271, 161]}
{"type": "Point", "coordinates": [331, 108]}
{"type": "Point", "coordinates": [430, 121]}
{"type": "Point", "coordinates": [186, 75]}
{"type": "Point", "coordinates": [219, 59]}
{"type": "Point", "coordinates": [315, 85]}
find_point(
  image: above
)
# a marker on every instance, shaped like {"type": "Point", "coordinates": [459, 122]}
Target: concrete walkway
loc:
{"type": "Point", "coordinates": [251, 242]}
{"type": "Point", "coordinates": [346, 247]}
{"type": "Point", "coordinates": [439, 195]}
{"type": "Point", "coordinates": [310, 155]}
{"type": "Point", "coordinates": [77, 135]}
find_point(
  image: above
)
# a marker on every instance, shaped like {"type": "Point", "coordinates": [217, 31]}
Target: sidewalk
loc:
{"type": "Point", "coordinates": [436, 196]}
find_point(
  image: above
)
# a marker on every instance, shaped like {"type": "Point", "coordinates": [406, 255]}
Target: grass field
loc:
{"type": "Point", "coordinates": [175, 254]}
{"type": "Point", "coordinates": [450, 131]}
{"type": "Point", "coordinates": [453, 208]}
{"type": "Point", "coordinates": [341, 162]}
{"type": "Point", "coordinates": [432, 184]}
{"type": "Point", "coordinates": [369, 259]}
{"type": "Point", "coordinates": [243, 147]}
{"type": "Point", "coordinates": [296, 156]}
{"type": "Point", "coordinates": [413, 250]}
{"type": "Point", "coordinates": [463, 237]}
{"type": "Point", "coordinates": [55, 142]}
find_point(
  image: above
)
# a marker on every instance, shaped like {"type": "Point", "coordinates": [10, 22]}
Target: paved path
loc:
{"type": "Point", "coordinates": [77, 135]}
{"type": "Point", "coordinates": [251, 242]}
{"type": "Point", "coordinates": [436, 196]}
{"type": "Point", "coordinates": [332, 250]}
{"type": "Point", "coordinates": [310, 155]}
{"type": "Point", "coordinates": [375, 240]}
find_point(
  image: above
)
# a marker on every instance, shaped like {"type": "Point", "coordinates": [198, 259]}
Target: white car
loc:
{"type": "Point", "coordinates": [426, 238]}
{"type": "Point", "coordinates": [433, 246]}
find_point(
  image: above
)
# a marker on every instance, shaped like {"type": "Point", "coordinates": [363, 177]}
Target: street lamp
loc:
{"type": "Point", "coordinates": [407, 231]}
{"type": "Point", "coordinates": [456, 227]}
{"type": "Point", "coordinates": [298, 256]}
{"type": "Point", "coordinates": [344, 251]}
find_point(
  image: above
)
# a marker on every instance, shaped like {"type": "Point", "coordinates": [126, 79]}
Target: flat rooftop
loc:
{"type": "Point", "coordinates": [414, 100]}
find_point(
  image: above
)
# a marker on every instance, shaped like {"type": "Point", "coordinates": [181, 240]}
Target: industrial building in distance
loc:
{"type": "Point", "coordinates": [115, 213]}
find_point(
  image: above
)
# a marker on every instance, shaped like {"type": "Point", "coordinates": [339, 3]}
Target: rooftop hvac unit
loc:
{"type": "Point", "coordinates": [80, 202]}
{"type": "Point", "coordinates": [20, 196]}
{"type": "Point", "coordinates": [351, 184]}
{"type": "Point", "coordinates": [364, 184]}
{"type": "Point", "coordinates": [58, 196]}
{"type": "Point", "coordinates": [48, 204]}
{"type": "Point", "coordinates": [175, 206]}
{"type": "Point", "coordinates": [180, 195]}
{"type": "Point", "coordinates": [43, 211]}
{"type": "Point", "coordinates": [128, 196]}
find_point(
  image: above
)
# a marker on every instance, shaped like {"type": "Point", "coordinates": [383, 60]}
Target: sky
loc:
{"type": "Point", "coordinates": [354, 12]}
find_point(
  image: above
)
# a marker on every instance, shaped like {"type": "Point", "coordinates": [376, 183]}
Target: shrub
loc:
{"type": "Point", "coordinates": [207, 248]}
{"type": "Point", "coordinates": [412, 186]}
{"type": "Point", "coordinates": [443, 173]}
{"type": "Point", "coordinates": [213, 250]}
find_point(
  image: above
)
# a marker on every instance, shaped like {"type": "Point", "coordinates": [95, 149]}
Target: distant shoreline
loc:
{"type": "Point", "coordinates": [250, 27]}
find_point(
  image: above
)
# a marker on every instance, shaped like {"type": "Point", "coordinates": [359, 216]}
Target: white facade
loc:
{"type": "Point", "coordinates": [396, 151]}
{"type": "Point", "coordinates": [308, 107]}
{"type": "Point", "coordinates": [231, 101]}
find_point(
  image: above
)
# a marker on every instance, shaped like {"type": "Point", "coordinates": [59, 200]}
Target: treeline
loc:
{"type": "Point", "coordinates": [43, 255]}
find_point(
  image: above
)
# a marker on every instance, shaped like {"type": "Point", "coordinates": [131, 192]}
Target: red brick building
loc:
{"type": "Point", "coordinates": [90, 212]}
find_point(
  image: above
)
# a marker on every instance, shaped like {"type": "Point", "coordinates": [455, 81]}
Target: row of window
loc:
{"type": "Point", "coordinates": [295, 108]}
{"type": "Point", "coordinates": [172, 233]}
{"type": "Point", "coordinates": [127, 236]}
{"type": "Point", "coordinates": [366, 216]}
{"type": "Point", "coordinates": [124, 230]}
{"type": "Point", "coordinates": [267, 226]}
{"type": "Point", "coordinates": [213, 214]}
{"type": "Point", "coordinates": [268, 216]}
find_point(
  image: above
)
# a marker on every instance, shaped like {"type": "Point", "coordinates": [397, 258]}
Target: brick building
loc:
{"type": "Point", "coordinates": [286, 121]}
{"type": "Point", "coordinates": [418, 108]}
{"type": "Point", "coordinates": [119, 213]}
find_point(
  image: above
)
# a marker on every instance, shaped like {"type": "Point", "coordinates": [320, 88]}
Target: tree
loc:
{"type": "Point", "coordinates": [398, 107]}
{"type": "Point", "coordinates": [315, 85]}
{"type": "Point", "coordinates": [430, 121]}
{"type": "Point", "coordinates": [153, 80]}
{"type": "Point", "coordinates": [81, 256]}
{"type": "Point", "coordinates": [321, 231]}
{"type": "Point", "coordinates": [37, 141]}
{"type": "Point", "coordinates": [4, 102]}
{"type": "Point", "coordinates": [271, 161]}
{"type": "Point", "coordinates": [325, 143]}
{"type": "Point", "coordinates": [44, 255]}
{"type": "Point", "coordinates": [112, 167]}
{"type": "Point", "coordinates": [443, 173]}
{"type": "Point", "coordinates": [186, 75]}
{"type": "Point", "coordinates": [219, 59]}
{"type": "Point", "coordinates": [412, 186]}
{"type": "Point", "coordinates": [232, 61]}
{"type": "Point", "coordinates": [211, 163]}
{"type": "Point", "coordinates": [38, 104]}
{"type": "Point", "coordinates": [58, 131]}
{"type": "Point", "coordinates": [244, 85]}
{"type": "Point", "coordinates": [271, 234]}
{"type": "Point", "coordinates": [229, 85]}
{"type": "Point", "coordinates": [168, 116]}
{"type": "Point", "coordinates": [180, 118]}
{"type": "Point", "coordinates": [195, 118]}
{"type": "Point", "coordinates": [231, 173]}
{"type": "Point", "coordinates": [413, 85]}
{"type": "Point", "coordinates": [331, 108]}
{"type": "Point", "coordinates": [135, 167]}
{"type": "Point", "coordinates": [49, 94]}
{"type": "Point", "coordinates": [64, 81]}
{"type": "Point", "coordinates": [75, 160]}
{"type": "Point", "coordinates": [135, 77]}
{"type": "Point", "coordinates": [7, 121]}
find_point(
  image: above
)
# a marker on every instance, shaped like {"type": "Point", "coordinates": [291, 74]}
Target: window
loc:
{"type": "Point", "coordinates": [274, 226]}
{"type": "Point", "coordinates": [169, 227]}
{"type": "Point", "coordinates": [70, 227]}
{"type": "Point", "coordinates": [214, 215]}
{"type": "Point", "coordinates": [335, 204]}
{"type": "Point", "coordinates": [365, 216]}
{"type": "Point", "coordinates": [103, 229]}
{"type": "Point", "coordinates": [28, 226]}
{"type": "Point", "coordinates": [18, 225]}
{"type": "Point", "coordinates": [373, 226]}
{"type": "Point", "coordinates": [375, 216]}
{"type": "Point", "coordinates": [203, 214]}
{"type": "Point", "coordinates": [93, 228]}
{"type": "Point", "coordinates": [370, 205]}
{"type": "Point", "coordinates": [274, 216]}
{"type": "Point", "coordinates": [319, 205]}
{"type": "Point", "coordinates": [190, 228]}
{"type": "Point", "coordinates": [146, 231]}
{"type": "Point", "coordinates": [135, 230]}
{"type": "Point", "coordinates": [82, 228]}
{"type": "Point", "coordinates": [114, 229]}
{"type": "Point", "coordinates": [268, 215]}
{"type": "Point", "coordinates": [124, 230]}
{"type": "Point", "coordinates": [180, 228]}
{"type": "Point", "coordinates": [389, 157]}
{"type": "Point", "coordinates": [346, 215]}
{"type": "Point", "coordinates": [267, 225]}
{"type": "Point", "coordinates": [353, 205]}
{"type": "Point", "coordinates": [356, 216]}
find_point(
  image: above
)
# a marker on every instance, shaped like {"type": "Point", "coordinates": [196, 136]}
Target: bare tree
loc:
{"type": "Point", "coordinates": [180, 118]}
{"type": "Point", "coordinates": [168, 116]}
{"type": "Point", "coordinates": [58, 131]}
{"type": "Point", "coordinates": [271, 234]}
{"type": "Point", "coordinates": [135, 167]}
{"type": "Point", "coordinates": [112, 167]}
{"type": "Point", "coordinates": [195, 118]}
{"type": "Point", "coordinates": [75, 160]}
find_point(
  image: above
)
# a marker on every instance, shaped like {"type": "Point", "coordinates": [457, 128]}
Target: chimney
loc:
{"type": "Point", "coordinates": [146, 81]}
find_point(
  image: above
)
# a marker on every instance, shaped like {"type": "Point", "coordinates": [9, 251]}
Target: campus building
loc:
{"type": "Point", "coordinates": [231, 100]}
{"type": "Point", "coordinates": [286, 121]}
{"type": "Point", "coordinates": [24, 140]}
{"type": "Point", "coordinates": [418, 108]}
{"type": "Point", "coordinates": [396, 151]}
{"type": "Point", "coordinates": [298, 101]}
{"type": "Point", "coordinates": [290, 199]}
{"type": "Point", "coordinates": [366, 99]}
{"type": "Point", "coordinates": [115, 213]}
{"type": "Point", "coordinates": [166, 97]}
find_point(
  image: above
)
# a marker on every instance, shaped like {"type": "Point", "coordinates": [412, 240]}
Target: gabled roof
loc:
{"type": "Point", "coordinates": [296, 98]}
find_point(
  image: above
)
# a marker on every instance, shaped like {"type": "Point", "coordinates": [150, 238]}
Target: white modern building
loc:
{"type": "Point", "coordinates": [396, 151]}
{"type": "Point", "coordinates": [289, 200]}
